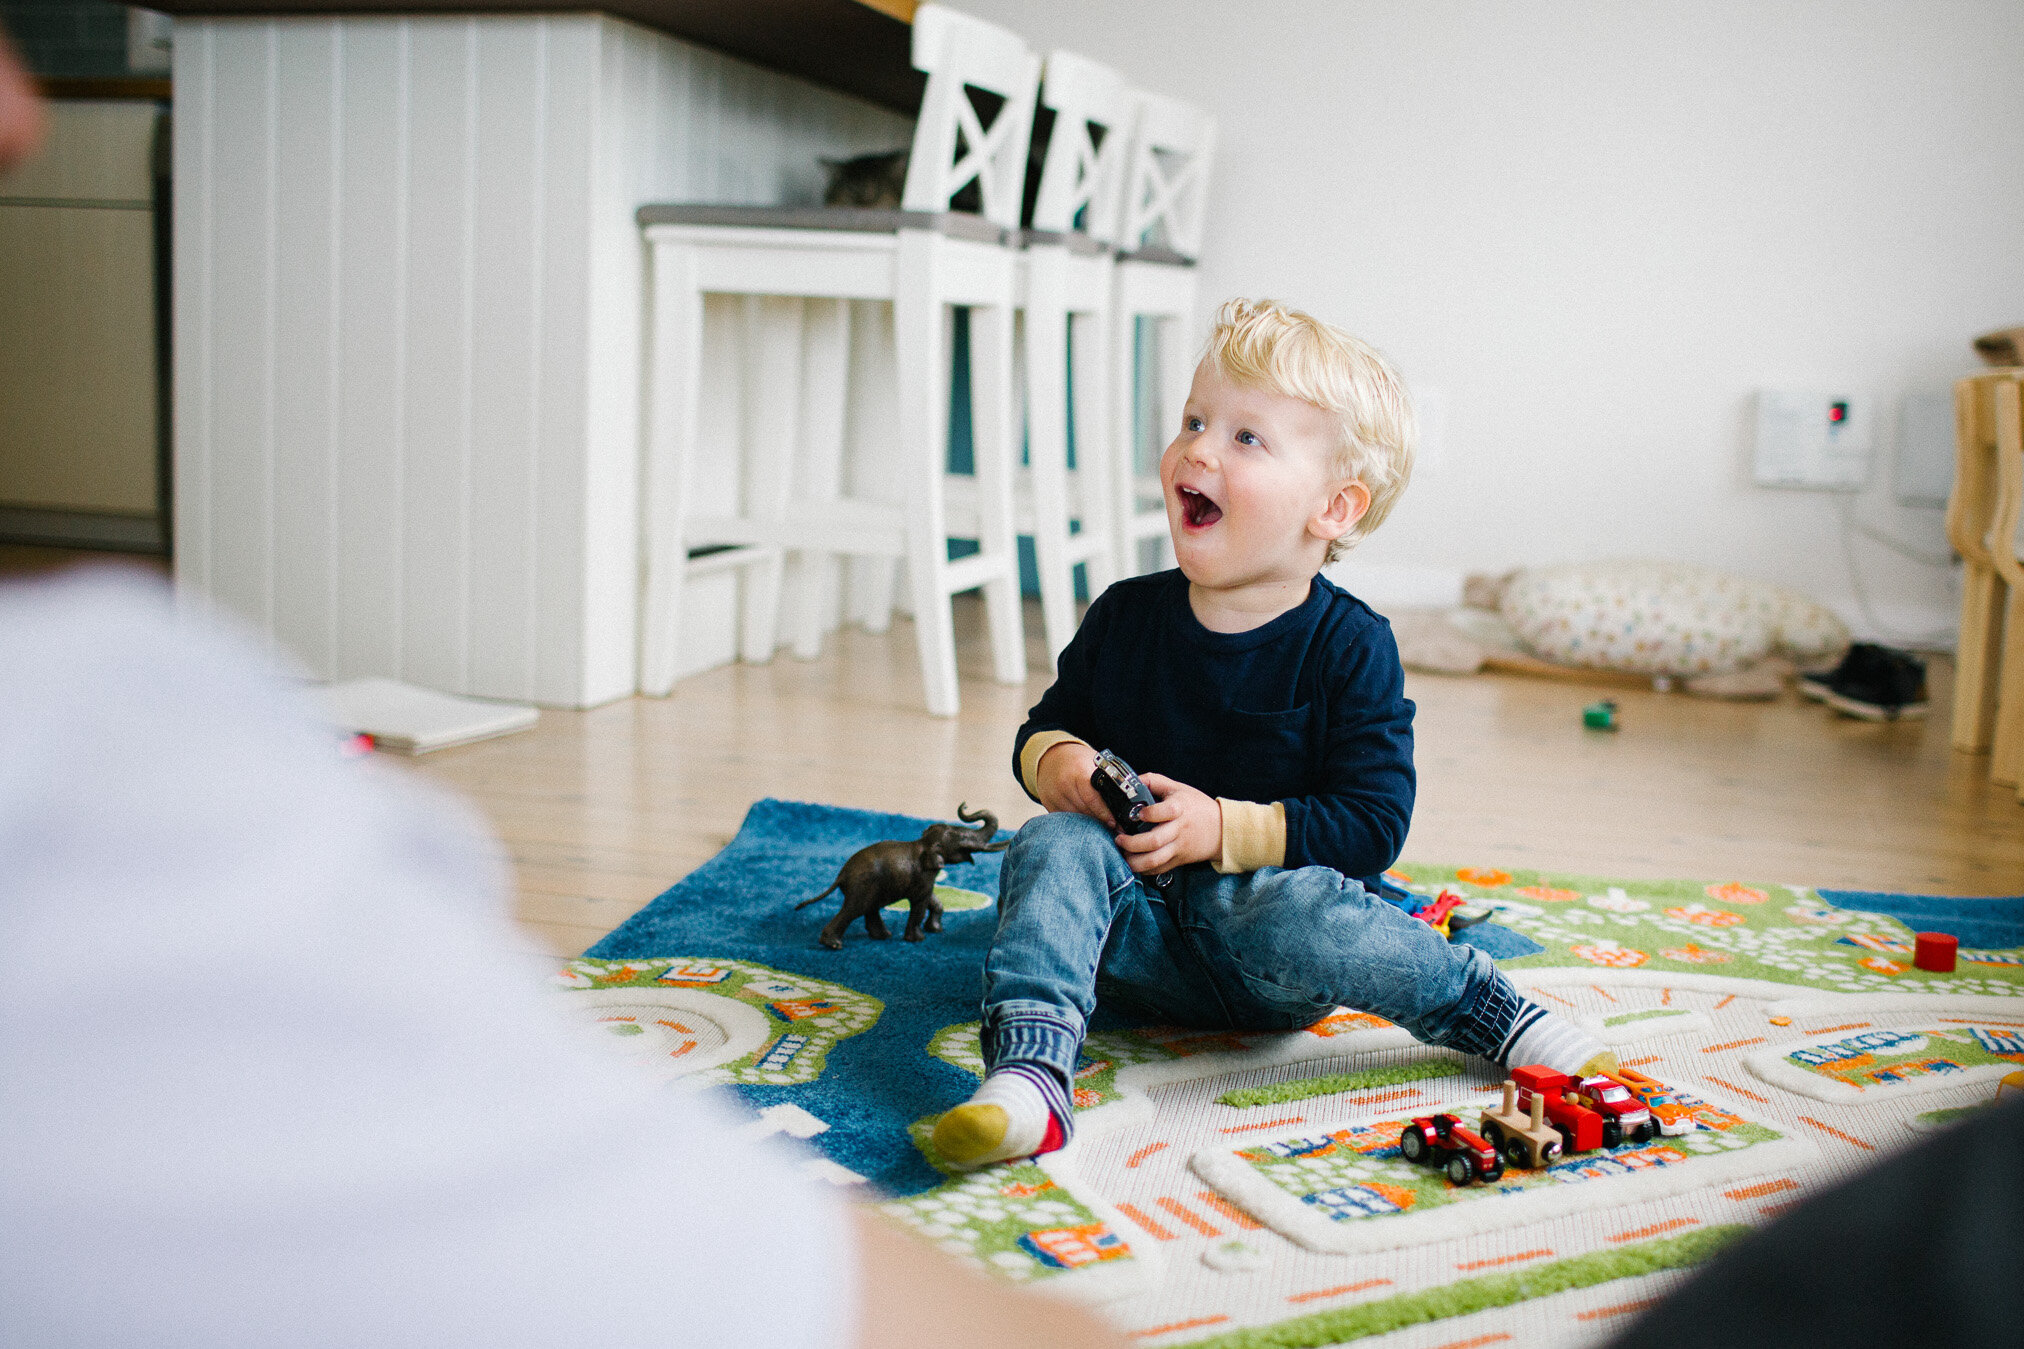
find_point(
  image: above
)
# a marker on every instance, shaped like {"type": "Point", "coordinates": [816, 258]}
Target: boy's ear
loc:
{"type": "Point", "coordinates": [1340, 512]}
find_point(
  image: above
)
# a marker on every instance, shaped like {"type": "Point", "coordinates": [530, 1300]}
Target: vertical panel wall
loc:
{"type": "Point", "coordinates": [408, 299]}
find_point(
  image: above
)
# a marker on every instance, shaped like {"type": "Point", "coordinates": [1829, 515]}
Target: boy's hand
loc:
{"type": "Point", "coordinates": [1188, 827]}
{"type": "Point", "coordinates": [1062, 776]}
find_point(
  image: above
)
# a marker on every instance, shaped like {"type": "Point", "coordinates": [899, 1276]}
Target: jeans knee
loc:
{"type": "Point", "coordinates": [1057, 837]}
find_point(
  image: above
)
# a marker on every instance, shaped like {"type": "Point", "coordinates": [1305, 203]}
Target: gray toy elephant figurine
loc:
{"type": "Point", "coordinates": [884, 873]}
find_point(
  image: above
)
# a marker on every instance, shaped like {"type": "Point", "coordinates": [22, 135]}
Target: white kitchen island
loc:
{"type": "Point", "coordinates": [408, 286]}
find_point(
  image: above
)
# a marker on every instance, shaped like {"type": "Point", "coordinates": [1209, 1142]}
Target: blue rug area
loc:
{"type": "Point", "coordinates": [1993, 924]}
{"type": "Point", "coordinates": [740, 906]}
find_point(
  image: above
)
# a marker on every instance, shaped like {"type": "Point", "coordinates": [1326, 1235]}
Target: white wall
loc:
{"type": "Point", "coordinates": [407, 283]}
{"type": "Point", "coordinates": [1596, 227]}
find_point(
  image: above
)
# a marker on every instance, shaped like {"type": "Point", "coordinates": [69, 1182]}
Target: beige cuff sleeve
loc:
{"type": "Point", "coordinates": [1042, 741]}
{"type": "Point", "coordinates": [1254, 835]}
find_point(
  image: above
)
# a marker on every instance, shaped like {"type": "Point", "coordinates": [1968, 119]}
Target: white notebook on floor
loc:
{"type": "Point", "coordinates": [407, 720]}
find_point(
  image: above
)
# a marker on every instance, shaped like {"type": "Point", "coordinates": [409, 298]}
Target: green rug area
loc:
{"type": "Point", "coordinates": [1480, 1294]}
{"type": "Point", "coordinates": [1300, 1089]}
{"type": "Point", "coordinates": [1776, 933]}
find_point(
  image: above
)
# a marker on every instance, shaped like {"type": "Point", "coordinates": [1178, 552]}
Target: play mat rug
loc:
{"type": "Point", "coordinates": [1248, 1189]}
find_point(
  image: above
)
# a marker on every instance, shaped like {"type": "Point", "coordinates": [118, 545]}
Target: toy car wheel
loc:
{"type": "Point", "coordinates": [1548, 1152]}
{"type": "Point", "coordinates": [1644, 1132]}
{"type": "Point", "coordinates": [1516, 1151]}
{"type": "Point", "coordinates": [1494, 1132]}
{"type": "Point", "coordinates": [1612, 1133]}
{"type": "Point", "coordinates": [1461, 1170]}
{"type": "Point", "coordinates": [1494, 1174]}
{"type": "Point", "coordinates": [1413, 1144]}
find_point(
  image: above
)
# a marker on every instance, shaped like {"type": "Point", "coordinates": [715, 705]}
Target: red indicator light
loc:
{"type": "Point", "coordinates": [1837, 412]}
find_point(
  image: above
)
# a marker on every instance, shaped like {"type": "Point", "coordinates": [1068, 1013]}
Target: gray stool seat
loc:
{"type": "Point", "coordinates": [846, 219]}
{"type": "Point", "coordinates": [1157, 254]}
{"type": "Point", "coordinates": [1075, 241]}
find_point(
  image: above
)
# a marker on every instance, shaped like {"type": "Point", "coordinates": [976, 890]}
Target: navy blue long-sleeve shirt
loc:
{"type": "Point", "coordinates": [1308, 710]}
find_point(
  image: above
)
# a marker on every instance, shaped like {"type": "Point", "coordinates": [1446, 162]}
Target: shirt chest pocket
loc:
{"type": "Point", "coordinates": [1266, 755]}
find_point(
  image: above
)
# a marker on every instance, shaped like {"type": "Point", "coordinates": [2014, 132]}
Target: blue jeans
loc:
{"type": "Point", "coordinates": [1270, 950]}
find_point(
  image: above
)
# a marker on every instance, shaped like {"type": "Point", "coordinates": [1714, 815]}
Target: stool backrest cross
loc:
{"type": "Point", "coordinates": [1087, 151]}
{"type": "Point", "coordinates": [1167, 183]}
{"type": "Point", "coordinates": [952, 146]}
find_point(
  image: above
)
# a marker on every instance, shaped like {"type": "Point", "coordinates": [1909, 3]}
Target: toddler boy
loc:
{"type": "Point", "coordinates": [1265, 709]}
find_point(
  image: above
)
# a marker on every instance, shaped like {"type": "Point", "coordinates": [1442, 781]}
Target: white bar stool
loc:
{"type": "Point", "coordinates": [924, 259]}
{"type": "Point", "coordinates": [1067, 297]}
{"type": "Point", "coordinates": [1166, 194]}
{"type": "Point", "coordinates": [1065, 291]}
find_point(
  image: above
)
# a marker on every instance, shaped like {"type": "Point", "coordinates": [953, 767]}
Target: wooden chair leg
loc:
{"type": "Point", "coordinates": [2006, 756]}
{"type": "Point", "coordinates": [675, 346]}
{"type": "Point", "coordinates": [2006, 764]}
{"type": "Point", "coordinates": [1978, 659]}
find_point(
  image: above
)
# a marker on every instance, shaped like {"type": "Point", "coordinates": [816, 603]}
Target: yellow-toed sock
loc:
{"type": "Point", "coordinates": [970, 1133]}
{"type": "Point", "coordinates": [1008, 1117]}
{"type": "Point", "coordinates": [1605, 1062]}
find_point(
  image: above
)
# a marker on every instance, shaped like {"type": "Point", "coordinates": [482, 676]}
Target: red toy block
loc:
{"type": "Point", "coordinates": [1935, 952]}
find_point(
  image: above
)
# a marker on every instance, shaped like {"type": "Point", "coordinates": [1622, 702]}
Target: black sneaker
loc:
{"type": "Point", "coordinates": [1886, 685]}
{"type": "Point", "coordinates": [1858, 662]}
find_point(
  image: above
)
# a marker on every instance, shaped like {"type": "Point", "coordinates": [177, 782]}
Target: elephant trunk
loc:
{"type": "Point", "coordinates": [986, 825]}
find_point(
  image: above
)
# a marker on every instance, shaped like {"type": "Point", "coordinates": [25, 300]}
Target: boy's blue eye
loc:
{"type": "Point", "coordinates": [1246, 438]}
{"type": "Point", "coordinates": [1192, 423]}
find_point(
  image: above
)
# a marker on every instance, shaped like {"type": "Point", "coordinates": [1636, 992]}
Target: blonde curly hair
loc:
{"type": "Point", "coordinates": [1263, 344]}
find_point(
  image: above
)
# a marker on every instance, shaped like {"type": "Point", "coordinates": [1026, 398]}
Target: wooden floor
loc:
{"type": "Point", "coordinates": [602, 810]}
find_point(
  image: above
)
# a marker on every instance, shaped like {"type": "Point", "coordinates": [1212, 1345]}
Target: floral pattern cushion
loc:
{"type": "Point", "coordinates": [1664, 618]}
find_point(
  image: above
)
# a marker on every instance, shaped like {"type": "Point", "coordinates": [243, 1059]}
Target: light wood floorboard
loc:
{"type": "Point", "coordinates": [602, 810]}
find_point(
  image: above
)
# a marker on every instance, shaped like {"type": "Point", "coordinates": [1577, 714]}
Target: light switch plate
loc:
{"type": "Point", "coordinates": [1811, 440]}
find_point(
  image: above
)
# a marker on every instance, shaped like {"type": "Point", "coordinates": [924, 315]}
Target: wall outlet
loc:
{"type": "Point", "coordinates": [1812, 440]}
{"type": "Point", "coordinates": [1925, 449]}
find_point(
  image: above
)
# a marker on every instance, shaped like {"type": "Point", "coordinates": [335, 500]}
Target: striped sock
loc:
{"type": "Point", "coordinates": [1540, 1036]}
{"type": "Point", "coordinates": [1022, 1110]}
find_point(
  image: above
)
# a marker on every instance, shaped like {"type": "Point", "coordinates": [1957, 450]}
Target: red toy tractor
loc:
{"type": "Point", "coordinates": [1430, 1139]}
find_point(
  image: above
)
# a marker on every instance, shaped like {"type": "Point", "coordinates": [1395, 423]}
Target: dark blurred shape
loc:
{"type": "Point", "coordinates": [1924, 1250]}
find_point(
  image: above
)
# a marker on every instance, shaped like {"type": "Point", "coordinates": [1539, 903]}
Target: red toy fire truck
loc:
{"type": "Point", "coordinates": [1592, 1112]}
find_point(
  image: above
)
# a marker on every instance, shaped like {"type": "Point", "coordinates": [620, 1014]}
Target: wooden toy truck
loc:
{"type": "Point", "coordinates": [1525, 1140]}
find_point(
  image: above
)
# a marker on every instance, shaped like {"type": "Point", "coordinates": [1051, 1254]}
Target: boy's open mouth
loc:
{"type": "Point", "coordinates": [1196, 509]}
